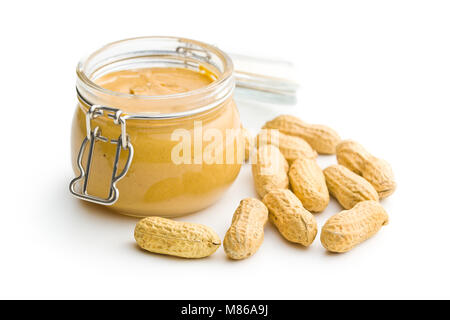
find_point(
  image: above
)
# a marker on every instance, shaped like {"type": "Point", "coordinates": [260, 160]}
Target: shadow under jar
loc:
{"type": "Point", "coordinates": [123, 145]}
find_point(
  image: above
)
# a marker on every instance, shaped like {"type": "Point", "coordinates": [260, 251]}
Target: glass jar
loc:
{"type": "Point", "coordinates": [123, 144]}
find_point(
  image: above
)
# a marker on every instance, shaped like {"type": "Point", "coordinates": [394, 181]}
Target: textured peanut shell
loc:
{"type": "Point", "coordinates": [308, 183]}
{"type": "Point", "coordinates": [293, 221]}
{"type": "Point", "coordinates": [269, 170]}
{"type": "Point", "coordinates": [378, 172]}
{"type": "Point", "coordinates": [182, 239]}
{"type": "Point", "coordinates": [347, 187]}
{"type": "Point", "coordinates": [345, 230]}
{"type": "Point", "coordinates": [246, 233]}
{"type": "Point", "coordinates": [290, 146]}
{"type": "Point", "coordinates": [321, 138]}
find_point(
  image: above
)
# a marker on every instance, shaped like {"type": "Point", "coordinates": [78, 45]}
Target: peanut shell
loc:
{"type": "Point", "coordinates": [345, 230]}
{"type": "Point", "coordinates": [182, 239]}
{"type": "Point", "coordinates": [246, 233]}
{"type": "Point", "coordinates": [321, 138]}
{"type": "Point", "coordinates": [378, 172]}
{"type": "Point", "coordinates": [286, 212]}
{"type": "Point", "coordinates": [291, 147]}
{"type": "Point", "coordinates": [347, 187]}
{"type": "Point", "coordinates": [308, 183]}
{"type": "Point", "coordinates": [269, 170]}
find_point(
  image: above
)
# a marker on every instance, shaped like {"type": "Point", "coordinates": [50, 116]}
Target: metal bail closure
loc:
{"type": "Point", "coordinates": [92, 136]}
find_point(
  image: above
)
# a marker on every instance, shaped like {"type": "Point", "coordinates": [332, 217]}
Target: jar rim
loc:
{"type": "Point", "coordinates": [222, 78]}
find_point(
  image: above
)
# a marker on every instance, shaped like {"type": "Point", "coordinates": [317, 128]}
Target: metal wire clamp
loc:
{"type": "Point", "coordinates": [92, 136]}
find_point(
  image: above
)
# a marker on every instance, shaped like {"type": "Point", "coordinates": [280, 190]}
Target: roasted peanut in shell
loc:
{"type": "Point", "coordinates": [308, 184]}
{"type": "Point", "coordinates": [377, 171]}
{"type": "Point", "coordinates": [246, 233]}
{"type": "Point", "coordinates": [321, 138]}
{"type": "Point", "coordinates": [293, 221]}
{"type": "Point", "coordinates": [343, 231]}
{"type": "Point", "coordinates": [347, 187]}
{"type": "Point", "coordinates": [182, 239]}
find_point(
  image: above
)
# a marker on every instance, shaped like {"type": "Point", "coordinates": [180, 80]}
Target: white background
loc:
{"type": "Point", "coordinates": [376, 71]}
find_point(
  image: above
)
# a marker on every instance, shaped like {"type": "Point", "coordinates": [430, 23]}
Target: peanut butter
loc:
{"type": "Point", "coordinates": [155, 81]}
{"type": "Point", "coordinates": [154, 184]}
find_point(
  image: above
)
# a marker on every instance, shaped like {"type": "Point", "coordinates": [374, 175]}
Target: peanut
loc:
{"type": "Point", "coordinates": [286, 212]}
{"type": "Point", "coordinates": [345, 230]}
{"type": "Point", "coordinates": [246, 233]}
{"type": "Point", "coordinates": [290, 146]}
{"type": "Point", "coordinates": [321, 138]}
{"type": "Point", "coordinates": [182, 239]}
{"type": "Point", "coordinates": [377, 171]}
{"type": "Point", "coordinates": [308, 183]}
{"type": "Point", "coordinates": [347, 187]}
{"type": "Point", "coordinates": [269, 170]}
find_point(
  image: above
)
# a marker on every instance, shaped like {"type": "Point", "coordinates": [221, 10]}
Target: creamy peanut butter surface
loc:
{"type": "Point", "coordinates": [155, 81]}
